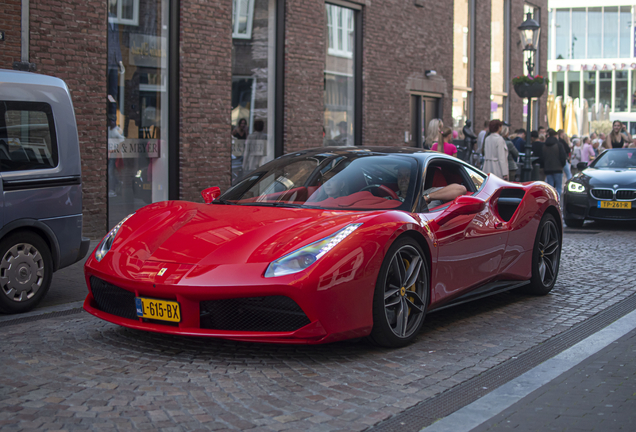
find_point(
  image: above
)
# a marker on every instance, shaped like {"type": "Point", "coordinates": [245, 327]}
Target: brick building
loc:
{"type": "Point", "coordinates": [172, 96]}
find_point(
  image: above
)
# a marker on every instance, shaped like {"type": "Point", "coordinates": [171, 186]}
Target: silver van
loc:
{"type": "Point", "coordinates": [40, 187]}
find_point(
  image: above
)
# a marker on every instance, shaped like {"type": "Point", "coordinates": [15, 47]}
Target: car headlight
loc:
{"type": "Point", "coordinates": [576, 187]}
{"type": "Point", "coordinates": [107, 242]}
{"type": "Point", "coordinates": [302, 258]}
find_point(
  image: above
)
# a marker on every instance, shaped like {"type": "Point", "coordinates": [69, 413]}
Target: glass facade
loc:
{"type": "Point", "coordinates": [605, 88]}
{"type": "Point", "coordinates": [137, 105]}
{"type": "Point", "coordinates": [620, 91]}
{"type": "Point", "coordinates": [338, 126]}
{"type": "Point", "coordinates": [253, 77]}
{"type": "Point", "coordinates": [462, 64]}
{"type": "Point", "coordinates": [589, 87]}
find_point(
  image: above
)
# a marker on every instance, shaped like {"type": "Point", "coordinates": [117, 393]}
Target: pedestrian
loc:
{"type": "Point", "coordinates": [513, 154]}
{"type": "Point", "coordinates": [433, 132]}
{"type": "Point", "coordinates": [448, 148]}
{"type": "Point", "coordinates": [587, 151]}
{"type": "Point", "coordinates": [575, 158]}
{"type": "Point", "coordinates": [495, 151]}
{"type": "Point", "coordinates": [564, 140]}
{"type": "Point", "coordinates": [596, 145]}
{"type": "Point", "coordinates": [520, 140]}
{"type": "Point", "coordinates": [619, 137]}
{"type": "Point", "coordinates": [481, 137]}
{"type": "Point", "coordinates": [554, 159]}
{"type": "Point", "coordinates": [537, 153]}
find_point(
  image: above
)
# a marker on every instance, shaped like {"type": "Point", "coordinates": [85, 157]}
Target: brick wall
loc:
{"type": "Point", "coordinates": [205, 99]}
{"type": "Point", "coordinates": [305, 47]}
{"type": "Point", "coordinates": [10, 48]}
{"type": "Point", "coordinates": [68, 41]}
{"type": "Point", "coordinates": [481, 83]}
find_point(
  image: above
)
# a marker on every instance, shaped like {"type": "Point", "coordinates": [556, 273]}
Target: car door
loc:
{"type": "Point", "coordinates": [469, 247]}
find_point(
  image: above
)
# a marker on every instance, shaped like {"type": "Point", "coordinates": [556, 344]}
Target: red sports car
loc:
{"type": "Point", "coordinates": [324, 245]}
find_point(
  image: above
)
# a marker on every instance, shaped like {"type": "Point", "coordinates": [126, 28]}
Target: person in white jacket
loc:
{"type": "Point", "coordinates": [496, 151]}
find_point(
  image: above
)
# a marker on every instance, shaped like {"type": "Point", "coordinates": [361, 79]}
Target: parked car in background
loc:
{"type": "Point", "coordinates": [40, 187]}
{"type": "Point", "coordinates": [606, 190]}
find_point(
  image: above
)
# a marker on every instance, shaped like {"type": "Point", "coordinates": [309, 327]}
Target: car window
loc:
{"type": "Point", "coordinates": [27, 136]}
{"type": "Point", "coordinates": [476, 178]}
{"type": "Point", "coordinates": [616, 158]}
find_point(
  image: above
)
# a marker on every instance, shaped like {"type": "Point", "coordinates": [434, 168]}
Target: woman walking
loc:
{"type": "Point", "coordinates": [448, 148]}
{"type": "Point", "coordinates": [496, 151]}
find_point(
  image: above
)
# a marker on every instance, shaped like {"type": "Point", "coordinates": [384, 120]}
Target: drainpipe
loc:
{"type": "Point", "coordinates": [24, 64]}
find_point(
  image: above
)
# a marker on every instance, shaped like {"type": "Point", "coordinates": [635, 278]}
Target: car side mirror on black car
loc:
{"type": "Point", "coordinates": [462, 205]}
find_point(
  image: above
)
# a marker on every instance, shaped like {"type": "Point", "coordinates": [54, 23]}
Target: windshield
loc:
{"type": "Point", "coordinates": [616, 158]}
{"type": "Point", "coordinates": [356, 181]}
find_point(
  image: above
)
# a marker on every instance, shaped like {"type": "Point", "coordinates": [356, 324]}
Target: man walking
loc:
{"type": "Point", "coordinates": [553, 155]}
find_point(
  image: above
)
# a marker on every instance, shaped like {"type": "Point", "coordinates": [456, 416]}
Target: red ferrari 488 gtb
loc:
{"type": "Point", "coordinates": [327, 244]}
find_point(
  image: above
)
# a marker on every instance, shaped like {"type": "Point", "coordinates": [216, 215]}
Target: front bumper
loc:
{"type": "Point", "coordinates": [277, 310]}
{"type": "Point", "coordinates": [582, 206]}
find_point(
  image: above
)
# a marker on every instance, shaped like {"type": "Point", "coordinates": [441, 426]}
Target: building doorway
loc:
{"type": "Point", "coordinates": [424, 108]}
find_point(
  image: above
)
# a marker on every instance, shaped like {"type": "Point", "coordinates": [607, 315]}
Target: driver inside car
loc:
{"type": "Point", "coordinates": [434, 196]}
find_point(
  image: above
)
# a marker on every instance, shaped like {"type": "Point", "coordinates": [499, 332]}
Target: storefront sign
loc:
{"type": "Point", "coordinates": [594, 67]}
{"type": "Point", "coordinates": [149, 51]}
{"type": "Point", "coordinates": [133, 148]}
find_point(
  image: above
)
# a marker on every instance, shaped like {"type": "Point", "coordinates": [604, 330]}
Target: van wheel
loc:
{"type": "Point", "coordinates": [26, 268]}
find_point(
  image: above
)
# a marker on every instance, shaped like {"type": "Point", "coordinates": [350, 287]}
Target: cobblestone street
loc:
{"type": "Point", "coordinates": [76, 372]}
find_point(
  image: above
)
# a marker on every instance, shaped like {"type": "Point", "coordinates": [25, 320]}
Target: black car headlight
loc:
{"type": "Point", "coordinates": [107, 242]}
{"type": "Point", "coordinates": [576, 187]}
{"type": "Point", "coordinates": [302, 258]}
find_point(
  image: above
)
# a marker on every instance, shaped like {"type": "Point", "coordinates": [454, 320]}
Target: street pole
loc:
{"type": "Point", "coordinates": [526, 173]}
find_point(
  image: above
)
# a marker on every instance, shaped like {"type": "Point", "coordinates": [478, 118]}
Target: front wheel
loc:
{"type": "Point", "coordinates": [26, 268]}
{"type": "Point", "coordinates": [546, 257]}
{"type": "Point", "coordinates": [401, 295]}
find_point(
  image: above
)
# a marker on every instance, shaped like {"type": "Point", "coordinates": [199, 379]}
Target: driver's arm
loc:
{"type": "Point", "coordinates": [447, 193]}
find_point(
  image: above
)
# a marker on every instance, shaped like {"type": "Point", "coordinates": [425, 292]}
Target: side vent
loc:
{"type": "Point", "coordinates": [508, 202]}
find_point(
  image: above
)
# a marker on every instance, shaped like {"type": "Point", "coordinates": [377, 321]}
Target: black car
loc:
{"type": "Point", "coordinates": [605, 190]}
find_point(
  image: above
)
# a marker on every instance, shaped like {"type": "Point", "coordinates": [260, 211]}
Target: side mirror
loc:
{"type": "Point", "coordinates": [462, 205]}
{"type": "Point", "coordinates": [581, 166]}
{"type": "Point", "coordinates": [210, 194]}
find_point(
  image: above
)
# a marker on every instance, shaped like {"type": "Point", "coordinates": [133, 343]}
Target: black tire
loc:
{"type": "Point", "coordinates": [398, 289]}
{"type": "Point", "coordinates": [546, 257]}
{"type": "Point", "coordinates": [574, 223]}
{"type": "Point", "coordinates": [26, 268]}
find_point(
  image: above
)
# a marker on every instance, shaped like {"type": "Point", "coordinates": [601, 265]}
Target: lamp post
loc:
{"type": "Point", "coordinates": [529, 31]}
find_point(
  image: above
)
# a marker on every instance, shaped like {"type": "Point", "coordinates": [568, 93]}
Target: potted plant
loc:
{"type": "Point", "coordinates": [529, 86]}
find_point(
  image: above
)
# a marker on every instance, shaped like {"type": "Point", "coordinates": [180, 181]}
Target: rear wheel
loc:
{"type": "Point", "coordinates": [26, 268]}
{"type": "Point", "coordinates": [401, 295]}
{"type": "Point", "coordinates": [546, 257]}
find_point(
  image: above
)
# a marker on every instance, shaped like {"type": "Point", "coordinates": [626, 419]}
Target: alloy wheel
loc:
{"type": "Point", "coordinates": [549, 245]}
{"type": "Point", "coordinates": [404, 288]}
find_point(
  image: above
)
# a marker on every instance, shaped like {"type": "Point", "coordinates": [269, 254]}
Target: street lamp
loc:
{"type": "Point", "coordinates": [529, 32]}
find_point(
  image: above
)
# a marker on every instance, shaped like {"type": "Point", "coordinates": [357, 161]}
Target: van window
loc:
{"type": "Point", "coordinates": [27, 136]}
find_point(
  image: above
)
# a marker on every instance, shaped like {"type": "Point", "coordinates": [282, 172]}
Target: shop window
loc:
{"type": "Point", "coordinates": [594, 35]}
{"type": "Point", "coordinates": [562, 34]}
{"type": "Point", "coordinates": [27, 136]}
{"type": "Point", "coordinates": [340, 29]}
{"type": "Point", "coordinates": [605, 88]}
{"type": "Point", "coordinates": [610, 33]}
{"type": "Point", "coordinates": [560, 83]}
{"type": "Point", "coordinates": [137, 106]}
{"type": "Point", "coordinates": [620, 94]}
{"type": "Point", "coordinates": [574, 84]}
{"type": "Point", "coordinates": [242, 18]}
{"type": "Point", "coordinates": [625, 29]}
{"type": "Point", "coordinates": [340, 77]}
{"type": "Point", "coordinates": [589, 87]}
{"type": "Point", "coordinates": [253, 73]}
{"type": "Point", "coordinates": [125, 12]}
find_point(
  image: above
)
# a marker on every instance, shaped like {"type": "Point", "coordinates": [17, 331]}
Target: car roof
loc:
{"type": "Point", "coordinates": [418, 153]}
{"type": "Point", "coordinates": [17, 77]}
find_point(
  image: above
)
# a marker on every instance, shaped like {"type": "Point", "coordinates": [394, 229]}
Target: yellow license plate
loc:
{"type": "Point", "coordinates": [625, 205]}
{"type": "Point", "coordinates": [158, 309]}
{"type": "Point", "coordinates": [147, 186]}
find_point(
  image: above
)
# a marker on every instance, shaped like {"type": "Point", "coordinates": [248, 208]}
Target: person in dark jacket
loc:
{"type": "Point", "coordinates": [520, 141]}
{"type": "Point", "coordinates": [554, 158]}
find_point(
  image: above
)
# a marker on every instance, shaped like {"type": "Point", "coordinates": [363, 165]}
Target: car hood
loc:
{"type": "Point", "coordinates": [190, 233]}
{"type": "Point", "coordinates": [623, 177]}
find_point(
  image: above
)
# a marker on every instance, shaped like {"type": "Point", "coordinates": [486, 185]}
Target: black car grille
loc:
{"type": "Point", "coordinates": [112, 299]}
{"type": "Point", "coordinates": [271, 314]}
{"type": "Point", "coordinates": [612, 213]}
{"type": "Point", "coordinates": [603, 194]}
{"type": "Point", "coordinates": [625, 194]}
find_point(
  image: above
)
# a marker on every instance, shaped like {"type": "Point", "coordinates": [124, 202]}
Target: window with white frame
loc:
{"type": "Point", "coordinates": [340, 31]}
{"type": "Point", "coordinates": [242, 16]}
{"type": "Point", "coordinates": [124, 12]}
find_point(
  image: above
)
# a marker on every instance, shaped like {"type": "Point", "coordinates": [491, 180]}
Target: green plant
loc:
{"type": "Point", "coordinates": [524, 79]}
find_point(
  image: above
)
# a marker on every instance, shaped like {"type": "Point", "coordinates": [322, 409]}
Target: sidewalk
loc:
{"type": "Point", "coordinates": [599, 394]}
